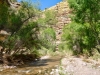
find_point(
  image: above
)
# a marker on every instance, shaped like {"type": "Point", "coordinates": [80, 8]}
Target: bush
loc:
{"type": "Point", "coordinates": [86, 14]}
{"type": "Point", "coordinates": [48, 37]}
{"type": "Point", "coordinates": [79, 37]}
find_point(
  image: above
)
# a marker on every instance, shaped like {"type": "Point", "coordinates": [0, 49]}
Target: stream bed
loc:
{"type": "Point", "coordinates": [34, 68]}
{"type": "Point", "coordinates": [56, 65]}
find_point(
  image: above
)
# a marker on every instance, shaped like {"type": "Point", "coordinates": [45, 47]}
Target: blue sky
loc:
{"type": "Point", "coordinates": [46, 3]}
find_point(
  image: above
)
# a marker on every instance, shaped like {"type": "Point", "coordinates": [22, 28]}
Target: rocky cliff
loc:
{"type": "Point", "coordinates": [63, 18]}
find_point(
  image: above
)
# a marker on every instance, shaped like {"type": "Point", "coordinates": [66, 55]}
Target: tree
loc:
{"type": "Point", "coordinates": [86, 13]}
{"type": "Point", "coordinates": [22, 38]}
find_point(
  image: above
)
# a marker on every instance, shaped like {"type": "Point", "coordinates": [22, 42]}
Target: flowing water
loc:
{"type": "Point", "coordinates": [33, 68]}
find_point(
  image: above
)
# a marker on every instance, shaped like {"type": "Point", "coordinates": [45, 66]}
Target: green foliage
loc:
{"type": "Point", "coordinates": [86, 10]}
{"type": "Point", "coordinates": [24, 28]}
{"type": "Point", "coordinates": [14, 22]}
{"type": "Point", "coordinates": [3, 15]}
{"type": "Point", "coordinates": [50, 18]}
{"type": "Point", "coordinates": [41, 22]}
{"type": "Point", "coordinates": [79, 37]}
{"type": "Point", "coordinates": [29, 35]}
{"type": "Point", "coordinates": [47, 34]}
{"type": "Point", "coordinates": [82, 34]}
{"type": "Point", "coordinates": [23, 36]}
{"type": "Point", "coordinates": [48, 37]}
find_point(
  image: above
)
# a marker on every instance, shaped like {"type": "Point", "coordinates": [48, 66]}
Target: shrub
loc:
{"type": "Point", "coordinates": [79, 37]}
{"type": "Point", "coordinates": [48, 37]}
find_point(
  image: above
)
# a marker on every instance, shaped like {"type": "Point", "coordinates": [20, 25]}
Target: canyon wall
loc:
{"type": "Point", "coordinates": [63, 13]}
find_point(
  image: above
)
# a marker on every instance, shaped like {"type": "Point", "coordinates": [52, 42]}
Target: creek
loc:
{"type": "Point", "coordinates": [33, 68]}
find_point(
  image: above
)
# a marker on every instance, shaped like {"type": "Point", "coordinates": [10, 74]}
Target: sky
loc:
{"type": "Point", "coordinates": [46, 3]}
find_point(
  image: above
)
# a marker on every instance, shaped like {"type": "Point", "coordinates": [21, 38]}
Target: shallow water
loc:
{"type": "Point", "coordinates": [33, 68]}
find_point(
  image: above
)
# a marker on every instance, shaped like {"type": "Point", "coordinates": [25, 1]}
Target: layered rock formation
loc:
{"type": "Point", "coordinates": [63, 17]}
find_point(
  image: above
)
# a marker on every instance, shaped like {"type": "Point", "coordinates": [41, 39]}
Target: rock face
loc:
{"type": "Point", "coordinates": [63, 13]}
{"type": "Point", "coordinates": [63, 18]}
{"type": "Point", "coordinates": [13, 5]}
{"type": "Point", "coordinates": [3, 35]}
